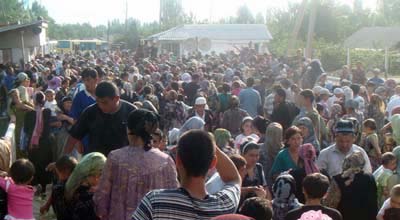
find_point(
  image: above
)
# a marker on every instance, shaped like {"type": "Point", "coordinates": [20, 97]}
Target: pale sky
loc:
{"type": "Point", "coordinates": [100, 11]}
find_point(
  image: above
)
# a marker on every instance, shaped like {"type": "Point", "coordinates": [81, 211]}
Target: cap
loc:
{"type": "Point", "coordinates": [324, 91]}
{"type": "Point", "coordinates": [200, 101]}
{"type": "Point", "coordinates": [317, 89]}
{"type": "Point", "coordinates": [22, 77]}
{"type": "Point", "coordinates": [338, 91]}
{"type": "Point", "coordinates": [344, 126]}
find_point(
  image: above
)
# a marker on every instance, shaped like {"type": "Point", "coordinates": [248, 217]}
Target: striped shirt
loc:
{"type": "Point", "coordinates": [178, 204]}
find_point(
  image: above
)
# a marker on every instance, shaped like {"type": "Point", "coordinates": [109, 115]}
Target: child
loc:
{"type": "Point", "coordinates": [19, 192]}
{"type": "Point", "coordinates": [383, 173]}
{"type": "Point", "coordinates": [371, 143]}
{"type": "Point", "coordinates": [391, 205]}
{"type": "Point", "coordinates": [64, 167]}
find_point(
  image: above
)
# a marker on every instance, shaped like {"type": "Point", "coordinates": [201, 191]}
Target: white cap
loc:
{"type": "Point", "coordinates": [338, 91]}
{"type": "Point", "coordinates": [317, 89]}
{"type": "Point", "coordinates": [200, 101]}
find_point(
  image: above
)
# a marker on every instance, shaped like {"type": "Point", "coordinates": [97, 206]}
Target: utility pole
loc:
{"type": "Point", "coordinates": [311, 26]}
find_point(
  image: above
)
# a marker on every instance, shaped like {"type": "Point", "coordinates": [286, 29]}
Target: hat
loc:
{"type": "Point", "coordinates": [22, 77]}
{"type": "Point", "coordinates": [317, 89]}
{"type": "Point", "coordinates": [200, 101]}
{"type": "Point", "coordinates": [324, 91]}
{"type": "Point", "coordinates": [344, 126]}
{"type": "Point", "coordinates": [186, 77]}
{"type": "Point", "coordinates": [338, 91]}
{"type": "Point", "coordinates": [49, 90]}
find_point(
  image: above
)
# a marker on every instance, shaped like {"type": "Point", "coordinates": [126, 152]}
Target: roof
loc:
{"type": "Point", "coordinates": [20, 26]}
{"type": "Point", "coordinates": [249, 32]}
{"type": "Point", "coordinates": [374, 38]}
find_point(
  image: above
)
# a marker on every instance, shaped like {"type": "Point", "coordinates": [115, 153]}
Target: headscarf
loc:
{"type": "Point", "coordinates": [395, 122]}
{"type": "Point", "coordinates": [395, 178]}
{"type": "Point", "coordinates": [194, 122]}
{"type": "Point", "coordinates": [91, 164]}
{"type": "Point", "coordinates": [273, 139]}
{"type": "Point", "coordinates": [352, 165]}
{"type": "Point", "coordinates": [222, 137]}
{"type": "Point", "coordinates": [37, 131]}
{"type": "Point", "coordinates": [173, 136]}
{"type": "Point", "coordinates": [336, 111]}
{"type": "Point", "coordinates": [314, 215]}
{"type": "Point", "coordinates": [308, 154]}
{"type": "Point", "coordinates": [396, 152]}
{"type": "Point", "coordinates": [311, 138]}
{"type": "Point", "coordinates": [285, 200]}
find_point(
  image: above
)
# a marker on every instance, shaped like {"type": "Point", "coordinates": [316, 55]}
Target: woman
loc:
{"type": "Point", "coordinates": [222, 139]}
{"type": "Point", "coordinates": [192, 123]}
{"type": "Point", "coordinates": [284, 190]}
{"type": "Point", "coordinates": [39, 140]}
{"type": "Point", "coordinates": [395, 125]}
{"type": "Point", "coordinates": [351, 106]}
{"type": "Point", "coordinates": [271, 147]}
{"type": "Point", "coordinates": [173, 113]}
{"type": "Point", "coordinates": [247, 132]}
{"type": "Point", "coordinates": [134, 170]}
{"type": "Point", "coordinates": [308, 156]}
{"type": "Point", "coordinates": [353, 193]}
{"type": "Point", "coordinates": [376, 110]}
{"type": "Point", "coordinates": [289, 157]}
{"type": "Point", "coordinates": [254, 181]}
{"type": "Point", "coordinates": [67, 122]}
{"type": "Point", "coordinates": [81, 184]}
{"type": "Point", "coordinates": [308, 133]}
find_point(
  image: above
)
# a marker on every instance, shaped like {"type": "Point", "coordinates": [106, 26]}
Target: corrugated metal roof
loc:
{"type": "Point", "coordinates": [19, 26]}
{"type": "Point", "coordinates": [374, 38]}
{"type": "Point", "coordinates": [250, 32]}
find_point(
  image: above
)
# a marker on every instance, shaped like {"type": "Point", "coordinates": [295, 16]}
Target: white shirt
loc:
{"type": "Point", "coordinates": [214, 184]}
{"type": "Point", "coordinates": [331, 159]}
{"type": "Point", "coordinates": [361, 103]}
{"type": "Point", "coordinates": [393, 103]}
{"type": "Point", "coordinates": [52, 106]}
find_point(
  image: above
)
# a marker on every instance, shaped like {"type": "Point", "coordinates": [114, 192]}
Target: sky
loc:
{"type": "Point", "coordinates": [101, 11]}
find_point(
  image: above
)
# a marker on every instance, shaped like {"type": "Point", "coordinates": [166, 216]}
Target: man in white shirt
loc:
{"type": "Point", "coordinates": [338, 95]}
{"type": "Point", "coordinates": [331, 159]}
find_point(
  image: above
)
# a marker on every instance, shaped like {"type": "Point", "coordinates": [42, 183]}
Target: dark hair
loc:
{"type": "Point", "coordinates": [281, 92]}
{"type": "Point", "coordinates": [143, 123]}
{"type": "Point", "coordinates": [40, 98]}
{"type": "Point", "coordinates": [261, 124]}
{"type": "Point", "coordinates": [234, 101]}
{"type": "Point", "coordinates": [370, 123]}
{"type": "Point", "coordinates": [22, 171]}
{"type": "Point", "coordinates": [89, 72]}
{"type": "Point", "coordinates": [123, 75]}
{"type": "Point", "coordinates": [257, 208]}
{"type": "Point", "coordinates": [226, 88]}
{"type": "Point", "coordinates": [238, 160]}
{"type": "Point", "coordinates": [388, 157]}
{"type": "Point", "coordinates": [316, 185]}
{"type": "Point", "coordinates": [158, 133]}
{"type": "Point", "coordinates": [107, 89]}
{"type": "Point", "coordinates": [147, 90]}
{"type": "Point", "coordinates": [100, 72]}
{"type": "Point", "coordinates": [355, 88]}
{"type": "Point", "coordinates": [250, 82]}
{"type": "Point", "coordinates": [291, 131]}
{"type": "Point", "coordinates": [66, 164]}
{"type": "Point", "coordinates": [248, 146]}
{"type": "Point", "coordinates": [196, 151]}
{"type": "Point", "coordinates": [308, 94]}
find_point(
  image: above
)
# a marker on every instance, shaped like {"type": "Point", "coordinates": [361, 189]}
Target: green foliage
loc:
{"type": "Point", "coordinates": [13, 11]}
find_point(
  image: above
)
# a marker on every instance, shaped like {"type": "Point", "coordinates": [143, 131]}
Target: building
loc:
{"type": "Point", "coordinates": [19, 43]}
{"type": "Point", "coordinates": [374, 38]}
{"type": "Point", "coordinates": [208, 38]}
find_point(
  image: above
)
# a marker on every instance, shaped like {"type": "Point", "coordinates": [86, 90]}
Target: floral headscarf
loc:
{"type": "Point", "coordinates": [285, 200]}
{"type": "Point", "coordinates": [336, 111]}
{"type": "Point", "coordinates": [311, 138]}
{"type": "Point", "coordinates": [352, 165]}
{"type": "Point", "coordinates": [222, 137]}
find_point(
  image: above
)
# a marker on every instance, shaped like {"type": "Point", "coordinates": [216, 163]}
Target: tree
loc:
{"type": "Point", "coordinates": [259, 18]}
{"type": "Point", "coordinates": [244, 15]}
{"type": "Point", "coordinates": [13, 11]}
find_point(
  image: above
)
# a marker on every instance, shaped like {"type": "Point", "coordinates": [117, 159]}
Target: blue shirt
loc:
{"type": "Point", "coordinates": [250, 101]}
{"type": "Point", "coordinates": [82, 100]}
{"type": "Point", "coordinates": [9, 81]}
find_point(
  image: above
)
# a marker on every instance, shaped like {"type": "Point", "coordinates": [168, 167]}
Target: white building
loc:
{"type": "Point", "coordinates": [21, 42]}
{"type": "Point", "coordinates": [208, 38]}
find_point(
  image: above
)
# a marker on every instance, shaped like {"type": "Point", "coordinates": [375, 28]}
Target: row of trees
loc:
{"type": "Point", "coordinates": [335, 22]}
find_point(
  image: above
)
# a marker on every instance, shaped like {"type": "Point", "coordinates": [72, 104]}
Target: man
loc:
{"type": "Point", "coordinates": [376, 80]}
{"type": "Point", "coordinates": [338, 96]}
{"type": "Point", "coordinates": [315, 187]}
{"type": "Point", "coordinates": [359, 74]}
{"type": "Point", "coordinates": [307, 99]}
{"type": "Point", "coordinates": [104, 122]}
{"type": "Point", "coordinates": [250, 99]}
{"type": "Point", "coordinates": [232, 118]}
{"type": "Point", "coordinates": [358, 98]}
{"type": "Point", "coordinates": [199, 110]}
{"type": "Point", "coordinates": [269, 101]}
{"type": "Point", "coordinates": [192, 88]}
{"type": "Point", "coordinates": [283, 113]}
{"type": "Point", "coordinates": [331, 158]}
{"type": "Point", "coordinates": [197, 153]}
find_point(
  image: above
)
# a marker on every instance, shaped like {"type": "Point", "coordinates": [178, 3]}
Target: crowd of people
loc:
{"type": "Point", "coordinates": [238, 135]}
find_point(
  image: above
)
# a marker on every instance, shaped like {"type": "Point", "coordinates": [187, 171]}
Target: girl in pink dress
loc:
{"type": "Point", "coordinates": [19, 193]}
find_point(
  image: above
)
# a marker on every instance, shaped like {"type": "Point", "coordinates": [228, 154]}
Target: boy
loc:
{"type": "Point", "coordinates": [390, 208]}
{"type": "Point", "coordinates": [257, 208]}
{"type": "Point", "coordinates": [315, 187]}
{"type": "Point", "coordinates": [63, 167]}
{"type": "Point", "coordinates": [382, 174]}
